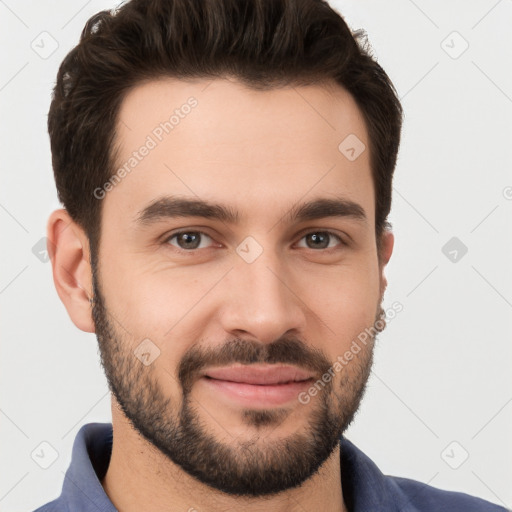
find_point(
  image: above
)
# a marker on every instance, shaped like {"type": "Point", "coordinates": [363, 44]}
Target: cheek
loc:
{"type": "Point", "coordinates": [139, 295]}
{"type": "Point", "coordinates": [151, 316]}
{"type": "Point", "coordinates": [160, 306]}
{"type": "Point", "coordinates": [345, 307]}
{"type": "Point", "coordinates": [345, 300]}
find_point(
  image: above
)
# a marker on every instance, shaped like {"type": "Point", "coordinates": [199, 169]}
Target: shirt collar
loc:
{"type": "Point", "coordinates": [82, 490]}
{"type": "Point", "coordinates": [364, 486]}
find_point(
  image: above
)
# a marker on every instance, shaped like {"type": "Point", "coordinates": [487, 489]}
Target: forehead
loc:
{"type": "Point", "coordinates": [257, 151]}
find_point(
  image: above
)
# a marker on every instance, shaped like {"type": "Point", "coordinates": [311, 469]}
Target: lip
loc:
{"type": "Point", "coordinates": [259, 375]}
{"type": "Point", "coordinates": [257, 386]}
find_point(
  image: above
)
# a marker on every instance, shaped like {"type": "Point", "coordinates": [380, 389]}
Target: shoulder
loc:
{"type": "Point", "coordinates": [426, 498]}
{"type": "Point", "coordinates": [367, 488]}
{"type": "Point", "coordinates": [52, 506]}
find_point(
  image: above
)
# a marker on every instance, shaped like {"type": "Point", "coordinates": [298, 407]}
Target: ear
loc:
{"type": "Point", "coordinates": [386, 249]}
{"type": "Point", "coordinates": [68, 248]}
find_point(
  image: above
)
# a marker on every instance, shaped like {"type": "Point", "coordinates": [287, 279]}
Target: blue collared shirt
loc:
{"type": "Point", "coordinates": [365, 487]}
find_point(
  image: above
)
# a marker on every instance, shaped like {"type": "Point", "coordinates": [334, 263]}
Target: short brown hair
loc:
{"type": "Point", "coordinates": [263, 43]}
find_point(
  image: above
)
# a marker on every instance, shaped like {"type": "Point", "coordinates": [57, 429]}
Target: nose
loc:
{"type": "Point", "coordinates": [262, 299]}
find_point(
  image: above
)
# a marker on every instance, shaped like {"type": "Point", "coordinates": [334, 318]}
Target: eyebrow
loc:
{"type": "Point", "coordinates": [172, 207]}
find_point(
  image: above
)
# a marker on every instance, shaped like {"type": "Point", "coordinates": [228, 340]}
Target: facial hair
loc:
{"type": "Point", "coordinates": [256, 466]}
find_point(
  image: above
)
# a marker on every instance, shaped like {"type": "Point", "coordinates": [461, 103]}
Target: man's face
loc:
{"type": "Point", "coordinates": [209, 338]}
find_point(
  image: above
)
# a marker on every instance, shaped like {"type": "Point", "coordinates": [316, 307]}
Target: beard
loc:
{"type": "Point", "coordinates": [257, 465]}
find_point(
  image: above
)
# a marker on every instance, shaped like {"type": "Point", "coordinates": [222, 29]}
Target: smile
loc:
{"type": "Point", "coordinates": [258, 386]}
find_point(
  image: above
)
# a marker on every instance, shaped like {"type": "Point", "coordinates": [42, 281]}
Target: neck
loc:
{"type": "Point", "coordinates": [139, 477]}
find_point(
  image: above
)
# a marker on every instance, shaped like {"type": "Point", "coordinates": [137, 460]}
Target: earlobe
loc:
{"type": "Point", "coordinates": [68, 247]}
{"type": "Point", "coordinates": [387, 244]}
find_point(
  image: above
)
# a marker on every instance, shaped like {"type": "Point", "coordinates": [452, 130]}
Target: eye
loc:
{"type": "Point", "coordinates": [188, 240]}
{"type": "Point", "coordinates": [321, 239]}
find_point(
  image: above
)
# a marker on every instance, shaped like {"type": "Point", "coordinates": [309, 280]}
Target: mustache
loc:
{"type": "Point", "coordinates": [283, 351]}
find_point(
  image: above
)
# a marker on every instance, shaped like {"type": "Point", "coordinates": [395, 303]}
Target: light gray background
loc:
{"type": "Point", "coordinates": [443, 365]}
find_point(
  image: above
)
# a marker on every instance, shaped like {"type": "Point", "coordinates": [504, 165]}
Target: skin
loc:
{"type": "Point", "coordinates": [259, 152]}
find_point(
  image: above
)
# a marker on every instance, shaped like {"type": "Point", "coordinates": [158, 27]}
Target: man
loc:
{"type": "Point", "coordinates": [226, 171]}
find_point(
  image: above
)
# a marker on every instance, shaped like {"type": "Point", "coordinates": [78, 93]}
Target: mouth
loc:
{"type": "Point", "coordinates": [257, 385]}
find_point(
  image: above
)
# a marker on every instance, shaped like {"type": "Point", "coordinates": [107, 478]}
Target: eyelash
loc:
{"type": "Point", "coordinates": [192, 251]}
